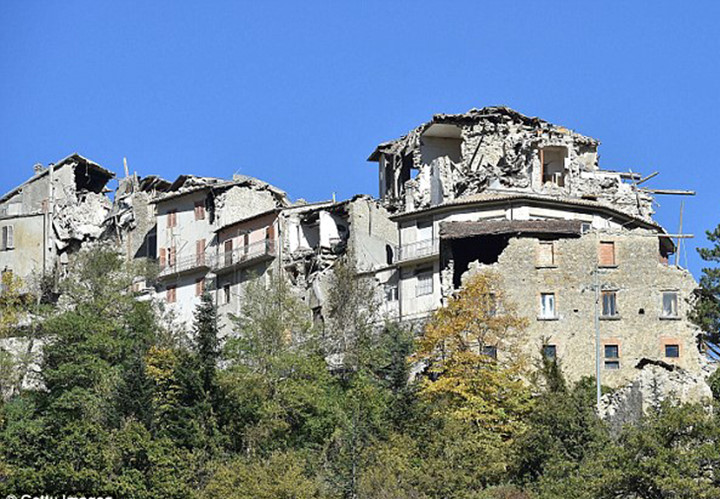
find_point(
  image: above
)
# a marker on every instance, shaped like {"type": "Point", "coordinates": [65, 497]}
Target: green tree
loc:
{"type": "Point", "coordinates": [279, 392]}
{"type": "Point", "coordinates": [281, 475]}
{"type": "Point", "coordinates": [62, 439]}
{"type": "Point", "coordinates": [562, 429]}
{"type": "Point", "coordinates": [672, 452]}
{"type": "Point", "coordinates": [706, 306]}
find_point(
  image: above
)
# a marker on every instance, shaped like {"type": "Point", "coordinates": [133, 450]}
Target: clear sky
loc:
{"type": "Point", "coordinates": [299, 93]}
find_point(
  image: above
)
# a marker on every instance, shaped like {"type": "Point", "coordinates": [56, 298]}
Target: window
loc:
{"type": "Point", "coordinates": [424, 230]}
{"type": "Point", "coordinates": [172, 219]}
{"type": "Point", "coordinates": [585, 227]}
{"type": "Point", "coordinates": [672, 351]}
{"type": "Point", "coordinates": [226, 293]}
{"type": "Point", "coordinates": [546, 254]}
{"type": "Point", "coordinates": [228, 252]}
{"type": "Point", "coordinates": [391, 292]}
{"type": "Point", "coordinates": [389, 257]}
{"type": "Point", "coordinates": [171, 254]}
{"type": "Point", "coordinates": [547, 306]}
{"type": "Point", "coordinates": [550, 352]}
{"type": "Point", "coordinates": [163, 258]}
{"type": "Point", "coordinates": [490, 351]}
{"type": "Point", "coordinates": [609, 303]}
{"type": "Point", "coordinates": [199, 210]}
{"type": "Point", "coordinates": [612, 356]}
{"type": "Point", "coordinates": [171, 293]}
{"type": "Point", "coordinates": [553, 165]}
{"type": "Point", "coordinates": [670, 304]}
{"type": "Point", "coordinates": [606, 256]}
{"type": "Point", "coordinates": [7, 238]}
{"type": "Point", "coordinates": [424, 284]}
{"type": "Point", "coordinates": [199, 286]}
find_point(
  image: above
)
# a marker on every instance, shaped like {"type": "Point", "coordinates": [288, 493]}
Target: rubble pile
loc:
{"type": "Point", "coordinates": [656, 381]}
{"type": "Point", "coordinates": [497, 148]}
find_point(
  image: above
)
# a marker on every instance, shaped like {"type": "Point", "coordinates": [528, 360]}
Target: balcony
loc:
{"type": "Point", "coordinates": [184, 264]}
{"type": "Point", "coordinates": [244, 255]}
{"type": "Point", "coordinates": [418, 250]}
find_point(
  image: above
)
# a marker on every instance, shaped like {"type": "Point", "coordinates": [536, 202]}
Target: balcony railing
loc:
{"type": "Point", "coordinates": [185, 263]}
{"type": "Point", "coordinates": [245, 254]}
{"type": "Point", "coordinates": [418, 249]}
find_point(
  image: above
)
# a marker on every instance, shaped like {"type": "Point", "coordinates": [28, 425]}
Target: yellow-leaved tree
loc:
{"type": "Point", "coordinates": [476, 365]}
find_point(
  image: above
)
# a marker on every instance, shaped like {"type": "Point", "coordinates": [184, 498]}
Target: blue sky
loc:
{"type": "Point", "coordinates": [299, 93]}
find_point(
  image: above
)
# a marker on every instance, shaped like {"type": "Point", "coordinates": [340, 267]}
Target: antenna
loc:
{"type": "Point", "coordinates": [679, 239]}
{"type": "Point", "coordinates": [127, 172]}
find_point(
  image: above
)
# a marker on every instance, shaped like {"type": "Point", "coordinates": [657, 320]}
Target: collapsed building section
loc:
{"type": "Point", "coordinates": [316, 235]}
{"type": "Point", "coordinates": [496, 148]}
{"type": "Point", "coordinates": [131, 221]}
{"type": "Point", "coordinates": [51, 215]}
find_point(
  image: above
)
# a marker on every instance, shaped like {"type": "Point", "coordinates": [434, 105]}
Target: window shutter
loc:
{"type": "Point", "coordinates": [3, 239]}
{"type": "Point", "coordinates": [199, 210]}
{"type": "Point", "coordinates": [546, 254]}
{"type": "Point", "coordinates": [607, 254]}
{"type": "Point", "coordinates": [200, 252]}
{"type": "Point", "coordinates": [199, 287]}
{"type": "Point", "coordinates": [162, 258]}
{"type": "Point", "coordinates": [10, 237]}
{"type": "Point", "coordinates": [171, 257]}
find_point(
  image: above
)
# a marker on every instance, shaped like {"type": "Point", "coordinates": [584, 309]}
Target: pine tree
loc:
{"type": "Point", "coordinates": [706, 307]}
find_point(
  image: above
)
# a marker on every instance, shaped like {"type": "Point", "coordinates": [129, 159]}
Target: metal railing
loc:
{"type": "Point", "coordinates": [184, 263]}
{"type": "Point", "coordinates": [245, 254]}
{"type": "Point", "coordinates": [418, 249]}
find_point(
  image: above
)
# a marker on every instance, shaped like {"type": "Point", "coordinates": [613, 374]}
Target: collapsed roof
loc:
{"type": "Point", "coordinates": [458, 155]}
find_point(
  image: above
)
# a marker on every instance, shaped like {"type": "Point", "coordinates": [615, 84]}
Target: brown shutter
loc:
{"type": "Point", "coordinates": [199, 286]}
{"type": "Point", "coordinates": [199, 210]}
{"type": "Point", "coordinates": [162, 258]}
{"type": "Point", "coordinates": [171, 257]}
{"type": "Point", "coordinates": [200, 252]}
{"type": "Point", "coordinates": [607, 254]}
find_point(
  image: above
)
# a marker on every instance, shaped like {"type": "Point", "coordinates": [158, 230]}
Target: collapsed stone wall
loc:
{"type": "Point", "coordinates": [499, 149]}
{"type": "Point", "coordinates": [654, 383]}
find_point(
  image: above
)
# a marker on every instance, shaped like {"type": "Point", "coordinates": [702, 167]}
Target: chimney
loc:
{"type": "Point", "coordinates": [38, 168]}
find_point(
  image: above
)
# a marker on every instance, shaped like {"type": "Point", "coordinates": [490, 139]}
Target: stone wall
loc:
{"type": "Point", "coordinates": [639, 280]}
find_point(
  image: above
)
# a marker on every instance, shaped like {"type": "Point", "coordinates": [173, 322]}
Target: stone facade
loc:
{"type": "Point", "coordinates": [639, 327]}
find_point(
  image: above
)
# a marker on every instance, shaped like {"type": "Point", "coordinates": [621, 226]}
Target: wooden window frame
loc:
{"type": "Point", "coordinates": [554, 315]}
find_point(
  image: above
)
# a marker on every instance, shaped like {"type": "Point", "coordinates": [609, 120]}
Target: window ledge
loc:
{"type": "Point", "coordinates": [669, 317]}
{"type": "Point", "coordinates": [546, 266]}
{"type": "Point", "coordinates": [610, 317]}
{"type": "Point", "coordinates": [608, 266]}
{"type": "Point", "coordinates": [554, 318]}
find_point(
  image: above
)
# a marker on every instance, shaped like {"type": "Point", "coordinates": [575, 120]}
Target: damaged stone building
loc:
{"type": "Point", "coordinates": [493, 189]}
{"type": "Point", "coordinates": [575, 245]}
{"type": "Point", "coordinates": [45, 219]}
